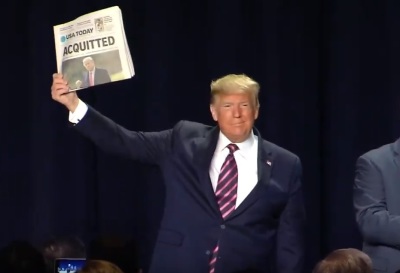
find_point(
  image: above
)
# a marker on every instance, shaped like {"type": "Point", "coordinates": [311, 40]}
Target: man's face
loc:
{"type": "Point", "coordinates": [235, 114]}
{"type": "Point", "coordinates": [88, 64]}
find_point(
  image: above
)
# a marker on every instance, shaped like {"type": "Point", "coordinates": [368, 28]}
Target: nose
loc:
{"type": "Point", "coordinates": [236, 112]}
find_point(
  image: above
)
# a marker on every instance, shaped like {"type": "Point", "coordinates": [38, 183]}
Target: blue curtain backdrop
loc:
{"type": "Point", "coordinates": [329, 91]}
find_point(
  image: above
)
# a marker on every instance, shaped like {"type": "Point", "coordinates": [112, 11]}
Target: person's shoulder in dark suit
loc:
{"type": "Point", "coordinates": [102, 76]}
{"type": "Point", "coordinates": [101, 70]}
{"type": "Point", "coordinates": [189, 129]}
{"type": "Point", "coordinates": [380, 151]}
{"type": "Point", "coordinates": [278, 150]}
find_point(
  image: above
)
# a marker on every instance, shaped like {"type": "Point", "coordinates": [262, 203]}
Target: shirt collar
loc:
{"type": "Point", "coordinates": [244, 146]}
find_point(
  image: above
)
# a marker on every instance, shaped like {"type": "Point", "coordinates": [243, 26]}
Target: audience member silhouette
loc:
{"type": "Point", "coordinates": [118, 250]}
{"type": "Point", "coordinates": [100, 266]}
{"type": "Point", "coordinates": [62, 247]}
{"type": "Point", "coordinates": [349, 260]}
{"type": "Point", "coordinates": [21, 257]}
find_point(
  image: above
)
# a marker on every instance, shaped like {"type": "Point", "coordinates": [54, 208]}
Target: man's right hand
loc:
{"type": "Point", "coordinates": [60, 92]}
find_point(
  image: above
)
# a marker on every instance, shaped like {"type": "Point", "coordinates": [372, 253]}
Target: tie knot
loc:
{"type": "Point", "coordinates": [232, 148]}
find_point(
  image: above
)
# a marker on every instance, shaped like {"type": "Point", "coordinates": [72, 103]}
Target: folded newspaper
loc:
{"type": "Point", "coordinates": [92, 49]}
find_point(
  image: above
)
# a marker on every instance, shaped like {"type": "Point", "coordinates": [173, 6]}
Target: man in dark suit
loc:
{"type": "Point", "coordinates": [233, 200]}
{"type": "Point", "coordinates": [377, 205]}
{"type": "Point", "coordinates": [93, 75]}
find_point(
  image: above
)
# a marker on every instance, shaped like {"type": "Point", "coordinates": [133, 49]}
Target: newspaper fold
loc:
{"type": "Point", "coordinates": [93, 50]}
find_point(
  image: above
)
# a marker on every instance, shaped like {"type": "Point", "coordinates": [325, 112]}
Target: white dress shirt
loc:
{"type": "Point", "coordinates": [246, 158]}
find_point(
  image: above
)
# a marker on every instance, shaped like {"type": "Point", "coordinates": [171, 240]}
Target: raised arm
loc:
{"type": "Point", "coordinates": [148, 147]}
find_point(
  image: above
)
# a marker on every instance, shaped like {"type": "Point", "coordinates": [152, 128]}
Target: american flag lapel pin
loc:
{"type": "Point", "coordinates": [269, 163]}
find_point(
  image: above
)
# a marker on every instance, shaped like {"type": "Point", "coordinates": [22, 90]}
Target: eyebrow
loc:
{"type": "Point", "coordinates": [229, 102]}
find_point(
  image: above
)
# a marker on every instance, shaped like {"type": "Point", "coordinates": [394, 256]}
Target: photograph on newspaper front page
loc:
{"type": "Point", "coordinates": [83, 72]}
{"type": "Point", "coordinates": [93, 50]}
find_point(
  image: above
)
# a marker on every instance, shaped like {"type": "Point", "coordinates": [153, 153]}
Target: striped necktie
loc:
{"type": "Point", "coordinates": [226, 193]}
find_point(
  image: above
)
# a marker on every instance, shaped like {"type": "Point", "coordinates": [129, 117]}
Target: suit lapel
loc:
{"type": "Point", "coordinates": [203, 153]}
{"type": "Point", "coordinates": [264, 167]}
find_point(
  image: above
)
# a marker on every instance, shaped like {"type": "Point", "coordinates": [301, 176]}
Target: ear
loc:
{"type": "Point", "coordinates": [213, 112]}
{"type": "Point", "coordinates": [256, 112]}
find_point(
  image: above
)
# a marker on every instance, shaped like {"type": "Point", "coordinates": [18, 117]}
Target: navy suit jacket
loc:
{"type": "Point", "coordinates": [100, 76]}
{"type": "Point", "coordinates": [377, 205]}
{"type": "Point", "coordinates": [264, 234]}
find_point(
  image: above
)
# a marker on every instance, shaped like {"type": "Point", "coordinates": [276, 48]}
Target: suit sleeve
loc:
{"type": "Point", "coordinates": [290, 236]}
{"type": "Point", "coordinates": [108, 136]}
{"type": "Point", "coordinates": [376, 225]}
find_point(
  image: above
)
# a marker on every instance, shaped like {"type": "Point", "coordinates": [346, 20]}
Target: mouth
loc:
{"type": "Point", "coordinates": [238, 124]}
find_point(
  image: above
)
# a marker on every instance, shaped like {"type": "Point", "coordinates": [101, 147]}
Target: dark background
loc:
{"type": "Point", "coordinates": [328, 71]}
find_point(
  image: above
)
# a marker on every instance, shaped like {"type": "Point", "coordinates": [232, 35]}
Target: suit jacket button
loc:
{"type": "Point", "coordinates": [222, 226]}
{"type": "Point", "coordinates": [208, 252]}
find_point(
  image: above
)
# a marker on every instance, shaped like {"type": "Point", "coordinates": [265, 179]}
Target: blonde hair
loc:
{"type": "Point", "coordinates": [234, 84]}
{"type": "Point", "coordinates": [349, 260]}
{"type": "Point", "coordinates": [99, 266]}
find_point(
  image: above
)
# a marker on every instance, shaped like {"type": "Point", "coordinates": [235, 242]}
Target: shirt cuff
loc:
{"type": "Point", "coordinates": [79, 112]}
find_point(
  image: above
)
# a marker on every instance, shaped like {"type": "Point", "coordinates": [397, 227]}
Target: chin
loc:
{"type": "Point", "coordinates": [239, 137]}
